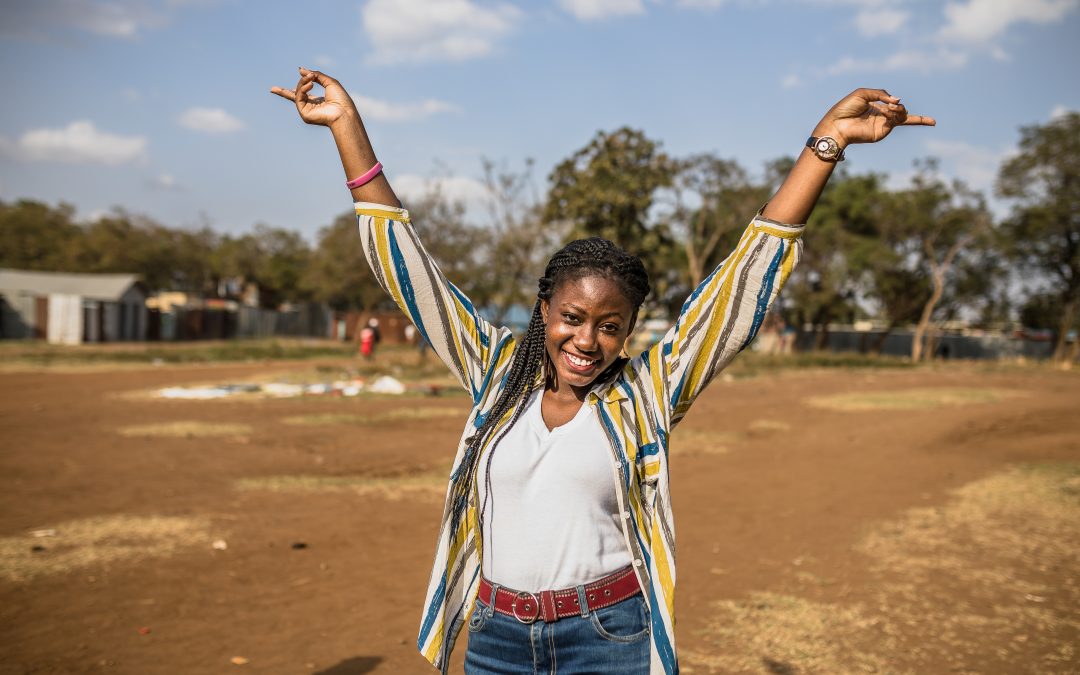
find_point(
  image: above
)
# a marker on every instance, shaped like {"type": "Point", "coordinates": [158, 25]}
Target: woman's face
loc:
{"type": "Point", "coordinates": [587, 321]}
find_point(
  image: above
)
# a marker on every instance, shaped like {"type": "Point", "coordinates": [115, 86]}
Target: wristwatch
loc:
{"type": "Point", "coordinates": [826, 148]}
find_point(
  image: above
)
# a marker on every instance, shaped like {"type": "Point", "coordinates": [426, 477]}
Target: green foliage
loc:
{"type": "Point", "coordinates": [607, 188]}
{"type": "Point", "coordinates": [1041, 310]}
{"type": "Point", "coordinates": [34, 236]}
{"type": "Point", "coordinates": [1042, 234]}
{"type": "Point", "coordinates": [713, 199]}
{"type": "Point", "coordinates": [843, 247]}
{"type": "Point", "coordinates": [338, 273]}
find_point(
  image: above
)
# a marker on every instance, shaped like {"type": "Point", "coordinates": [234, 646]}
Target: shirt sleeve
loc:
{"type": "Point", "coordinates": [723, 314]}
{"type": "Point", "coordinates": [471, 346]}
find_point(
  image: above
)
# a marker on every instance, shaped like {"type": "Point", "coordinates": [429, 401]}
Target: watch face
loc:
{"type": "Point", "coordinates": [824, 146]}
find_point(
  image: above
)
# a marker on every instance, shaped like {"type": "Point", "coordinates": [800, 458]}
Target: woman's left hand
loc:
{"type": "Point", "coordinates": [867, 116]}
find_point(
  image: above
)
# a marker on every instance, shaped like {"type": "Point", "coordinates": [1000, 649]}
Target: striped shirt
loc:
{"type": "Point", "coordinates": [637, 409]}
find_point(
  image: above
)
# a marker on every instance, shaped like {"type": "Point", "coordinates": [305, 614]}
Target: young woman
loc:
{"type": "Point", "coordinates": [557, 542]}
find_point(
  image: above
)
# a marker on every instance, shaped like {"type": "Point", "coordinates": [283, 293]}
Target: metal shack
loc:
{"type": "Point", "coordinates": [72, 308]}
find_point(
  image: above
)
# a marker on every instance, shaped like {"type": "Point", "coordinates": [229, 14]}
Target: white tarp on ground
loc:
{"type": "Point", "coordinates": [65, 325]}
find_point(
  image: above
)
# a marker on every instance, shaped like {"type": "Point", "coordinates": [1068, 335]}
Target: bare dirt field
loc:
{"type": "Point", "coordinates": [829, 521]}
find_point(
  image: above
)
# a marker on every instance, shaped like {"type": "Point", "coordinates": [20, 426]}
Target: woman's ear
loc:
{"type": "Point", "coordinates": [544, 307]}
{"type": "Point", "coordinates": [633, 322]}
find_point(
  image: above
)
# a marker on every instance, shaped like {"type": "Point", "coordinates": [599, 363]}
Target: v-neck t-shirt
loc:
{"type": "Point", "coordinates": [551, 517]}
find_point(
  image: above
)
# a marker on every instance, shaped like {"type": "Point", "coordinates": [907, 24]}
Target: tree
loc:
{"type": "Point", "coordinates": [607, 188]}
{"type": "Point", "coordinates": [35, 236]}
{"type": "Point", "coordinates": [1043, 230]}
{"type": "Point", "coordinates": [520, 240]}
{"type": "Point", "coordinates": [933, 225]}
{"type": "Point", "coordinates": [285, 256]}
{"type": "Point", "coordinates": [711, 201]}
{"type": "Point", "coordinates": [457, 245]}
{"type": "Point", "coordinates": [846, 245]}
{"type": "Point", "coordinates": [338, 273]}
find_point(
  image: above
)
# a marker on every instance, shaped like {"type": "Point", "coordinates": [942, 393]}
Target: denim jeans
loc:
{"type": "Point", "coordinates": [610, 640]}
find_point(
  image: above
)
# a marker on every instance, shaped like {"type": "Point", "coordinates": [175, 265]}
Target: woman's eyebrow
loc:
{"type": "Point", "coordinates": [580, 310]}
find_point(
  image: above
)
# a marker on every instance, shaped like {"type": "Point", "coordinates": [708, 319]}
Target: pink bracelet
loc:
{"type": "Point", "coordinates": [366, 178]}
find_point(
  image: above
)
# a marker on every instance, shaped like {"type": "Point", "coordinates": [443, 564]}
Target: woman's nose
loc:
{"type": "Point", "coordinates": [585, 339]}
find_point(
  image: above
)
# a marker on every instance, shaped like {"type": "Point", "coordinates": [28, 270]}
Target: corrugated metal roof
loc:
{"type": "Point", "coordinates": [106, 287]}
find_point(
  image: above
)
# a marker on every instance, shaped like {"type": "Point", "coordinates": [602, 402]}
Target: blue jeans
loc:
{"type": "Point", "coordinates": [610, 640]}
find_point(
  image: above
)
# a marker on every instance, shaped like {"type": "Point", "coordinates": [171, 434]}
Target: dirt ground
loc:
{"type": "Point", "coordinates": [831, 521]}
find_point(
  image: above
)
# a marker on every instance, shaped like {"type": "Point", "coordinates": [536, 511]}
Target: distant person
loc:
{"type": "Point", "coordinates": [557, 545]}
{"type": "Point", "coordinates": [369, 337]}
{"type": "Point", "coordinates": [415, 338]}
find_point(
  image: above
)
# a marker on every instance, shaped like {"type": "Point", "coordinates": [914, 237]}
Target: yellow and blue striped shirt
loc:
{"type": "Point", "coordinates": [638, 408]}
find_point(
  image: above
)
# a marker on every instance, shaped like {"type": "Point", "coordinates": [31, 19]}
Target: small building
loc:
{"type": "Point", "coordinates": [68, 308]}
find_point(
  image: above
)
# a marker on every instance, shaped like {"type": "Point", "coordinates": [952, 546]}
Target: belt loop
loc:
{"type": "Point", "coordinates": [547, 606]}
{"type": "Point", "coordinates": [583, 603]}
{"type": "Point", "coordinates": [491, 603]}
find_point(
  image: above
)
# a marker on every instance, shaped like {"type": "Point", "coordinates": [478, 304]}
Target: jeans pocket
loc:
{"type": "Point", "coordinates": [627, 621]}
{"type": "Point", "coordinates": [479, 617]}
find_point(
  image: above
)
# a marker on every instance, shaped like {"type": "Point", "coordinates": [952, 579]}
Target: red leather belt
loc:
{"type": "Point", "coordinates": [554, 605]}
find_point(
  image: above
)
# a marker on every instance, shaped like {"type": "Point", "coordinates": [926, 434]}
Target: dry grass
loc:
{"type": "Point", "coordinates": [767, 426]}
{"type": "Point", "coordinates": [773, 633]}
{"type": "Point", "coordinates": [688, 442]}
{"type": "Point", "coordinates": [989, 582]}
{"type": "Point", "coordinates": [187, 429]}
{"type": "Point", "coordinates": [910, 399]}
{"type": "Point", "coordinates": [425, 484]}
{"type": "Point", "coordinates": [96, 541]}
{"type": "Point", "coordinates": [396, 415]}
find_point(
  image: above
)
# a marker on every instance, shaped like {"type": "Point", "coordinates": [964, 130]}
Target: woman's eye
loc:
{"type": "Point", "coordinates": [608, 328]}
{"type": "Point", "coordinates": [570, 318]}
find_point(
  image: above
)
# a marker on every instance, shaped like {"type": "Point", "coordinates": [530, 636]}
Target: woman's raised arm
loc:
{"type": "Point", "coordinates": [336, 110]}
{"type": "Point", "coordinates": [723, 314]}
{"type": "Point", "coordinates": [469, 345]}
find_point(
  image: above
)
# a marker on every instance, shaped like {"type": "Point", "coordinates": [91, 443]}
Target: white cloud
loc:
{"type": "Point", "coordinates": [77, 143]}
{"type": "Point", "coordinates": [324, 61]}
{"type": "Point", "coordinates": [791, 81]}
{"type": "Point", "coordinates": [975, 165]}
{"type": "Point", "coordinates": [594, 10]}
{"type": "Point", "coordinates": [978, 21]}
{"type": "Point", "coordinates": [164, 182]}
{"type": "Point", "coordinates": [415, 31]}
{"type": "Point", "coordinates": [210, 120]}
{"type": "Point", "coordinates": [909, 60]}
{"type": "Point", "coordinates": [113, 18]}
{"type": "Point", "coordinates": [385, 111]}
{"type": "Point", "coordinates": [701, 4]}
{"type": "Point", "coordinates": [454, 188]}
{"type": "Point", "coordinates": [875, 22]}
{"type": "Point", "coordinates": [1059, 111]}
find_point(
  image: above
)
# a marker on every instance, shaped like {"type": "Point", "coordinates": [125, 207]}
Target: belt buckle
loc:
{"type": "Point", "coordinates": [525, 596]}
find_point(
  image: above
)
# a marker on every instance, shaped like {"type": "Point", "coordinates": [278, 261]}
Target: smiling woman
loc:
{"type": "Point", "coordinates": [557, 542]}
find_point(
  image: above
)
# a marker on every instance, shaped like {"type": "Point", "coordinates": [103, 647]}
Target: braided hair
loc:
{"type": "Point", "coordinates": [580, 258]}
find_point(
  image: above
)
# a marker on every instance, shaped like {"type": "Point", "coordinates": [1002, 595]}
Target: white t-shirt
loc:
{"type": "Point", "coordinates": [551, 519]}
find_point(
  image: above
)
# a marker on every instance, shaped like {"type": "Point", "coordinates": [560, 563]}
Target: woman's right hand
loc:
{"type": "Point", "coordinates": [334, 105]}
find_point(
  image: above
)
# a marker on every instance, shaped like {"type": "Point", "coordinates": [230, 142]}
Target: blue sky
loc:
{"type": "Point", "coordinates": [163, 107]}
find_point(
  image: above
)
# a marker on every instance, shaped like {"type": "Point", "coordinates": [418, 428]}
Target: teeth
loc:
{"type": "Point", "coordinates": [579, 362]}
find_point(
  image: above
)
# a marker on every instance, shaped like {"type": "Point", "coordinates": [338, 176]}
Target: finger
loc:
{"type": "Point", "coordinates": [302, 88]}
{"type": "Point", "coordinates": [284, 93]}
{"type": "Point", "coordinates": [877, 95]}
{"type": "Point", "coordinates": [920, 120]}
{"type": "Point", "coordinates": [322, 78]}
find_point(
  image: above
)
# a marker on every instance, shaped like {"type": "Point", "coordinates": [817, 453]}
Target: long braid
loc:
{"type": "Point", "coordinates": [579, 258]}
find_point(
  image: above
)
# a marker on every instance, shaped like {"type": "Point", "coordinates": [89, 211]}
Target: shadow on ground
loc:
{"type": "Point", "coordinates": [354, 666]}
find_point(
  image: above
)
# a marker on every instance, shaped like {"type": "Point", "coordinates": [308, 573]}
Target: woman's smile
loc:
{"type": "Point", "coordinates": [579, 363]}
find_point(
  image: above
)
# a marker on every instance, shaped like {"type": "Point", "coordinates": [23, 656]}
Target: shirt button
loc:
{"type": "Point", "coordinates": [637, 562]}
